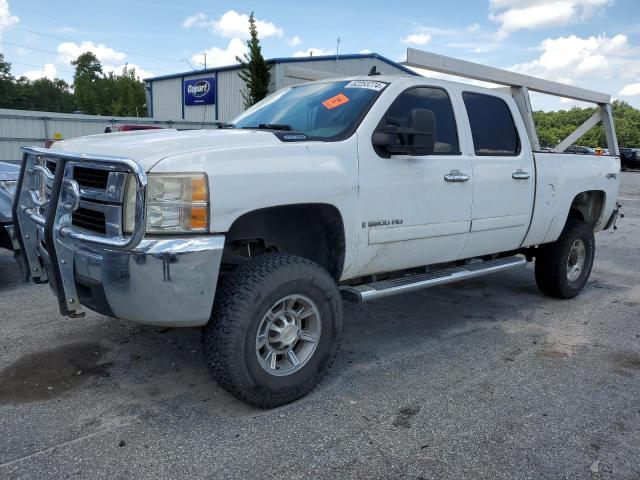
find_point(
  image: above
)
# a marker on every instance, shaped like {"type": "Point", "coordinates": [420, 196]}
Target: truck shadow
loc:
{"type": "Point", "coordinates": [164, 369]}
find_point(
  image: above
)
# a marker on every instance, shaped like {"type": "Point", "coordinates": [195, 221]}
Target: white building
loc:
{"type": "Point", "coordinates": [215, 93]}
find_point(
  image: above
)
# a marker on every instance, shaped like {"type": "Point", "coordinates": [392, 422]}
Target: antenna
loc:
{"type": "Point", "coordinates": [337, 51]}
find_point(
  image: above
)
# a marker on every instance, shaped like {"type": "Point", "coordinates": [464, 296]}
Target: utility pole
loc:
{"type": "Point", "coordinates": [337, 51]}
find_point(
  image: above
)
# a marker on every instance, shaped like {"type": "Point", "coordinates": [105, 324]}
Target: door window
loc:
{"type": "Point", "coordinates": [433, 99]}
{"type": "Point", "coordinates": [492, 127]}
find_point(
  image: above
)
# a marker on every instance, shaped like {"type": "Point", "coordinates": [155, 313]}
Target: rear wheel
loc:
{"type": "Point", "coordinates": [275, 329]}
{"type": "Point", "coordinates": [563, 267]}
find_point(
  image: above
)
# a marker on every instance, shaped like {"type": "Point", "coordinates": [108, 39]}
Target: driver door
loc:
{"type": "Point", "coordinates": [414, 209]}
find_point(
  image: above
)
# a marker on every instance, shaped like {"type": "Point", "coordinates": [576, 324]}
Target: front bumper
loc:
{"type": "Point", "coordinates": [168, 281]}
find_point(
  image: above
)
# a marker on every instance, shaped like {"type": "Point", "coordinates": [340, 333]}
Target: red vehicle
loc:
{"type": "Point", "coordinates": [128, 127]}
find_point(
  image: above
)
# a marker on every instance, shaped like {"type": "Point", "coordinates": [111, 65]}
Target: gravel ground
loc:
{"type": "Point", "coordinates": [487, 379]}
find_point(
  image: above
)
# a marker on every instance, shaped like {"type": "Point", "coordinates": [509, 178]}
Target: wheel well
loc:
{"type": "Point", "coordinates": [587, 206]}
{"type": "Point", "coordinates": [313, 231]}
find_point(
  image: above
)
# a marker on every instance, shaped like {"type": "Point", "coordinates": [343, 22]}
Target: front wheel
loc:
{"type": "Point", "coordinates": [275, 329]}
{"type": "Point", "coordinates": [563, 267]}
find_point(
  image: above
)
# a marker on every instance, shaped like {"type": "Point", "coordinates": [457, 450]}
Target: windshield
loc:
{"type": "Point", "coordinates": [326, 110]}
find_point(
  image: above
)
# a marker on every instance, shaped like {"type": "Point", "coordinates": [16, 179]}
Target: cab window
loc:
{"type": "Point", "coordinates": [430, 98]}
{"type": "Point", "coordinates": [492, 127]}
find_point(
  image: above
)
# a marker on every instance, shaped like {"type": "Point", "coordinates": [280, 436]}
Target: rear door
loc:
{"type": "Point", "coordinates": [503, 175]}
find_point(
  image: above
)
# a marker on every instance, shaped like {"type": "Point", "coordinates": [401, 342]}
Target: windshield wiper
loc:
{"type": "Point", "coordinates": [274, 126]}
{"type": "Point", "coordinates": [224, 125]}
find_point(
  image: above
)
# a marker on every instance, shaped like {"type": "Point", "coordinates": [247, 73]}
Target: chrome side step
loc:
{"type": "Point", "coordinates": [387, 288]}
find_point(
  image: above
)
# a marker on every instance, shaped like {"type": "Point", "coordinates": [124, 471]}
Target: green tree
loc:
{"type": "Point", "coordinates": [110, 94]}
{"type": "Point", "coordinates": [129, 96]}
{"type": "Point", "coordinates": [7, 86]}
{"type": "Point", "coordinates": [255, 71]}
{"type": "Point", "coordinates": [553, 127]}
{"type": "Point", "coordinates": [44, 95]}
{"type": "Point", "coordinates": [86, 80]}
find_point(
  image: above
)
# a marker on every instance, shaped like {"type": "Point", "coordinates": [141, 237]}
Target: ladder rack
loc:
{"type": "Point", "coordinates": [520, 86]}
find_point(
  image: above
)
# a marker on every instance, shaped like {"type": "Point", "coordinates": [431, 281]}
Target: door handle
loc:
{"type": "Point", "coordinates": [456, 176]}
{"type": "Point", "coordinates": [520, 175]}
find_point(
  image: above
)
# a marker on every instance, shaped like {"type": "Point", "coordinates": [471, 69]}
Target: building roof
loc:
{"type": "Point", "coordinates": [273, 61]}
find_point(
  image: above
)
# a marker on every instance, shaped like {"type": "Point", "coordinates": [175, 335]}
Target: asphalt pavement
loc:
{"type": "Point", "coordinates": [486, 379]}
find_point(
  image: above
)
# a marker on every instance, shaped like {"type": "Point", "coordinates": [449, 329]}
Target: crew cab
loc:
{"type": "Point", "coordinates": [361, 188]}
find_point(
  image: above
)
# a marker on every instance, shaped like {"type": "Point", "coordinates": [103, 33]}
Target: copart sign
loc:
{"type": "Point", "coordinates": [201, 91]}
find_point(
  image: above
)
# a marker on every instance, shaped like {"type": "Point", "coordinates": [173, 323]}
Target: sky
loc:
{"type": "Point", "coordinates": [589, 43]}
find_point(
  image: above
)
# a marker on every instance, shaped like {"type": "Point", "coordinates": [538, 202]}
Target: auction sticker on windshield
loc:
{"type": "Point", "coordinates": [369, 84]}
{"type": "Point", "coordinates": [336, 101]}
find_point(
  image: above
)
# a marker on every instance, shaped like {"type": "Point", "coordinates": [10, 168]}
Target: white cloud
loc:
{"type": "Point", "coordinates": [69, 51]}
{"type": "Point", "coordinates": [366, 50]}
{"type": "Point", "coordinates": [232, 24]}
{"type": "Point", "coordinates": [472, 37]}
{"type": "Point", "coordinates": [141, 73]}
{"type": "Point", "coordinates": [568, 58]}
{"type": "Point", "coordinates": [630, 90]}
{"type": "Point", "coordinates": [217, 57]}
{"type": "Point", "coordinates": [295, 41]}
{"type": "Point", "coordinates": [316, 52]}
{"type": "Point", "coordinates": [514, 15]}
{"type": "Point", "coordinates": [48, 71]}
{"type": "Point", "coordinates": [6, 19]}
{"type": "Point", "coordinates": [198, 19]}
{"type": "Point", "coordinates": [110, 59]}
{"type": "Point", "coordinates": [417, 39]}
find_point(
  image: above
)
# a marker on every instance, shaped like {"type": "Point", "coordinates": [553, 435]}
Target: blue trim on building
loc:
{"type": "Point", "coordinates": [150, 106]}
{"type": "Point", "coordinates": [182, 94]}
{"type": "Point", "coordinates": [273, 61]}
{"type": "Point", "coordinates": [216, 100]}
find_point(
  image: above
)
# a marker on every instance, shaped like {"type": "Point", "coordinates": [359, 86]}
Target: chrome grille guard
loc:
{"type": "Point", "coordinates": [44, 227]}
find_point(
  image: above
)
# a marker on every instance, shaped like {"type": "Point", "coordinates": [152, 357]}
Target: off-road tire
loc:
{"type": "Point", "coordinates": [552, 259]}
{"type": "Point", "coordinates": [242, 300]}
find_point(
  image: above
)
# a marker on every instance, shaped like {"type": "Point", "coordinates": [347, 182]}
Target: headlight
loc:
{"type": "Point", "coordinates": [9, 186]}
{"type": "Point", "coordinates": [176, 203]}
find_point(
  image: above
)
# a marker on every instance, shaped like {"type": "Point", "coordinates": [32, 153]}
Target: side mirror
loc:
{"type": "Point", "coordinates": [417, 139]}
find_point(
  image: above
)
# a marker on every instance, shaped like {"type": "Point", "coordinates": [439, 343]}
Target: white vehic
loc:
{"type": "Point", "coordinates": [249, 170]}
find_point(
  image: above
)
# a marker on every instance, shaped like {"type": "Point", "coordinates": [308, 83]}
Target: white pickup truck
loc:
{"type": "Point", "coordinates": [359, 188]}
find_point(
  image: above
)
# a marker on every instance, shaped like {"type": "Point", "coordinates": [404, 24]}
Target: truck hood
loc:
{"type": "Point", "coordinates": [148, 147]}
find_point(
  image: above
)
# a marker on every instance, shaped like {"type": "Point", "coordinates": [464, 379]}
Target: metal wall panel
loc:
{"type": "Point", "coordinates": [230, 101]}
{"type": "Point", "coordinates": [349, 66]}
{"type": "Point", "coordinates": [21, 127]}
{"type": "Point", "coordinates": [167, 99]}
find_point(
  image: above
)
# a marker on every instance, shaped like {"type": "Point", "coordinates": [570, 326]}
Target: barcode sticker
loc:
{"type": "Point", "coordinates": [369, 84]}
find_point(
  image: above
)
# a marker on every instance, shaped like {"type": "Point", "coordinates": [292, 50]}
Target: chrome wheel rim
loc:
{"type": "Point", "coordinates": [288, 335]}
{"type": "Point", "coordinates": [576, 260]}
